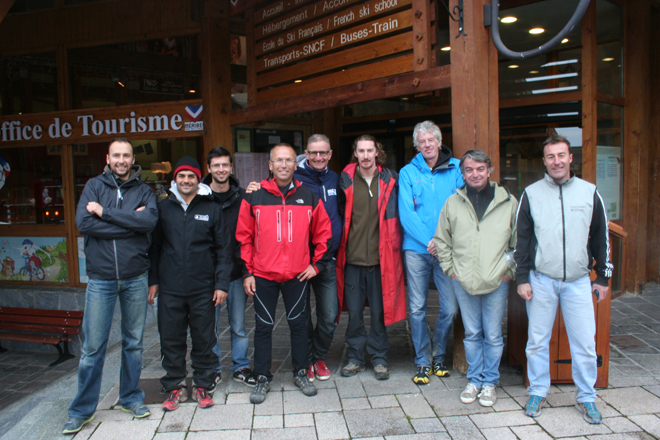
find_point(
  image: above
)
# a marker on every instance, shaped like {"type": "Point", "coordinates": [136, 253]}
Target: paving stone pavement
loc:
{"type": "Point", "coordinates": [361, 407]}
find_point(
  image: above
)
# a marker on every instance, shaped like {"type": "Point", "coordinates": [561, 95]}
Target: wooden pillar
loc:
{"type": "Point", "coordinates": [5, 6]}
{"type": "Point", "coordinates": [589, 90]}
{"type": "Point", "coordinates": [474, 106]}
{"type": "Point", "coordinates": [637, 69]}
{"type": "Point", "coordinates": [653, 237]}
{"type": "Point", "coordinates": [216, 75]}
{"type": "Point", "coordinates": [474, 85]}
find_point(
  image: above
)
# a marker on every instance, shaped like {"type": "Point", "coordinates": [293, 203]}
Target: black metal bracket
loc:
{"type": "Point", "coordinates": [599, 361]}
{"type": "Point", "coordinates": [64, 354]}
{"type": "Point", "coordinates": [458, 10]}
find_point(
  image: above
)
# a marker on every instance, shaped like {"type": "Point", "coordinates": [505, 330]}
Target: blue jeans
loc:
{"type": "Point", "coordinates": [324, 285]}
{"type": "Point", "coordinates": [419, 268]}
{"type": "Point", "coordinates": [482, 318]}
{"type": "Point", "coordinates": [240, 342]}
{"type": "Point", "coordinates": [578, 311]}
{"type": "Point", "coordinates": [99, 307]}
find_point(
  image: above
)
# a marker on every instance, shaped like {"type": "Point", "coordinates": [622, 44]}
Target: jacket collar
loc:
{"type": "Point", "coordinates": [202, 191]}
{"type": "Point", "coordinates": [134, 173]}
{"type": "Point", "coordinates": [549, 180]}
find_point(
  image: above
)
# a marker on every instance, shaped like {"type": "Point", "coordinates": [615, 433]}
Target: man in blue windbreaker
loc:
{"type": "Point", "coordinates": [424, 186]}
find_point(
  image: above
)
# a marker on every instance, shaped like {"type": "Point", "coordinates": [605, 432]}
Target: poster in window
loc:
{"type": "Point", "coordinates": [34, 259]}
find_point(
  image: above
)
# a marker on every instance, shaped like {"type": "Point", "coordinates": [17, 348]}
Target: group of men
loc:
{"type": "Point", "coordinates": [347, 237]}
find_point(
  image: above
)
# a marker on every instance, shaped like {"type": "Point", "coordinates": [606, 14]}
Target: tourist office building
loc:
{"type": "Point", "coordinates": [180, 77]}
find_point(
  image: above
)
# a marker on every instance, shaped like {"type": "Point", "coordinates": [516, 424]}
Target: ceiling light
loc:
{"type": "Point", "coordinates": [533, 72]}
{"type": "Point", "coordinates": [404, 99]}
{"type": "Point", "coordinates": [544, 78]}
{"type": "Point", "coordinates": [556, 89]}
{"type": "Point", "coordinates": [509, 19]}
{"type": "Point", "coordinates": [191, 91]}
{"type": "Point", "coordinates": [565, 40]}
{"type": "Point", "coordinates": [298, 81]}
{"type": "Point", "coordinates": [445, 49]}
{"type": "Point", "coordinates": [608, 59]}
{"type": "Point", "coordinates": [536, 31]}
{"type": "Point", "coordinates": [558, 63]}
{"type": "Point", "coordinates": [554, 115]}
{"type": "Point", "coordinates": [513, 66]}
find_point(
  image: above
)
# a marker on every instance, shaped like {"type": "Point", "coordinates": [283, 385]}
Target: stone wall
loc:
{"type": "Point", "coordinates": [59, 298]}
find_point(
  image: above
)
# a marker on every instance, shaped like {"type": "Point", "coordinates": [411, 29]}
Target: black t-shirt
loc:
{"type": "Point", "coordinates": [222, 196]}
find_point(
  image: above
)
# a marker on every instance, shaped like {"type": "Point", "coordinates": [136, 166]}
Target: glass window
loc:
{"type": "Point", "coordinates": [609, 169]}
{"type": "Point", "coordinates": [31, 5]}
{"type": "Point", "coordinates": [165, 69]}
{"type": "Point", "coordinates": [156, 157]}
{"type": "Point", "coordinates": [28, 84]}
{"type": "Point", "coordinates": [525, 27]}
{"type": "Point", "coordinates": [610, 47]}
{"type": "Point", "coordinates": [31, 190]}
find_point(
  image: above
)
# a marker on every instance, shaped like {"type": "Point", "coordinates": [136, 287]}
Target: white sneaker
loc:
{"type": "Point", "coordinates": [469, 394]}
{"type": "Point", "coordinates": [487, 396]}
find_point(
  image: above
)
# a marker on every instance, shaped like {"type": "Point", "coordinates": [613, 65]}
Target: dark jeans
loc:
{"type": "Point", "coordinates": [175, 314]}
{"type": "Point", "coordinates": [294, 294]}
{"type": "Point", "coordinates": [324, 285]}
{"type": "Point", "coordinates": [362, 284]}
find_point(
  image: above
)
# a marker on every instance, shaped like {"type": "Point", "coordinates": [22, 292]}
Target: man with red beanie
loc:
{"type": "Point", "coordinates": [191, 271]}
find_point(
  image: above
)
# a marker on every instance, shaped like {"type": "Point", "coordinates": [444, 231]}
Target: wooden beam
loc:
{"type": "Point", "coordinates": [637, 84]}
{"type": "Point", "coordinates": [589, 90]}
{"type": "Point", "coordinates": [541, 99]}
{"type": "Point", "coordinates": [216, 77]}
{"type": "Point", "coordinates": [653, 238]}
{"type": "Point", "coordinates": [5, 6]}
{"type": "Point", "coordinates": [379, 69]}
{"type": "Point", "coordinates": [405, 84]}
{"type": "Point", "coordinates": [422, 34]}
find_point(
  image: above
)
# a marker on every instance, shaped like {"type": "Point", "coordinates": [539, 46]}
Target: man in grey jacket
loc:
{"type": "Point", "coordinates": [116, 213]}
{"type": "Point", "coordinates": [562, 228]}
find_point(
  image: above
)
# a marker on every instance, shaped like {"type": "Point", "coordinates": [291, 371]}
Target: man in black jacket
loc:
{"type": "Point", "coordinates": [116, 213]}
{"type": "Point", "coordinates": [228, 195]}
{"type": "Point", "coordinates": [190, 270]}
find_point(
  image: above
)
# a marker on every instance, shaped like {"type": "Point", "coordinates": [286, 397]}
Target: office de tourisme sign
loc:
{"type": "Point", "coordinates": [169, 120]}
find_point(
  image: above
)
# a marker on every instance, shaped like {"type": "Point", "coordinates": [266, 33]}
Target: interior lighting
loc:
{"type": "Point", "coordinates": [191, 91]}
{"type": "Point", "coordinates": [565, 40]}
{"type": "Point", "coordinates": [608, 59]}
{"type": "Point", "coordinates": [298, 81]}
{"type": "Point", "coordinates": [533, 72]}
{"type": "Point", "coordinates": [555, 89]}
{"type": "Point", "coordinates": [513, 66]}
{"type": "Point", "coordinates": [536, 31]}
{"type": "Point", "coordinates": [509, 19]}
{"type": "Point", "coordinates": [554, 115]}
{"type": "Point", "coordinates": [445, 49]}
{"type": "Point", "coordinates": [544, 78]}
{"type": "Point", "coordinates": [559, 63]}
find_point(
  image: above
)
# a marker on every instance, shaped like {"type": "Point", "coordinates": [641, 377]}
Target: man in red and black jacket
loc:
{"type": "Point", "coordinates": [276, 225]}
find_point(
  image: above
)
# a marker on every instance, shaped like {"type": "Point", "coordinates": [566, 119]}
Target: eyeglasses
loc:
{"type": "Point", "coordinates": [283, 161]}
{"type": "Point", "coordinates": [216, 166]}
{"type": "Point", "coordinates": [318, 153]}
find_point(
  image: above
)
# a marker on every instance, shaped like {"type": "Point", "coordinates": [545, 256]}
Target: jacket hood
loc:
{"type": "Point", "coordinates": [271, 186]}
{"type": "Point", "coordinates": [502, 193]}
{"type": "Point", "coordinates": [444, 156]}
{"type": "Point", "coordinates": [304, 168]}
{"type": "Point", "coordinates": [134, 172]}
{"type": "Point", "coordinates": [202, 190]}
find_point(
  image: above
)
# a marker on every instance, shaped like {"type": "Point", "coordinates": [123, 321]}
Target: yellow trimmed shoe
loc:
{"type": "Point", "coordinates": [422, 376]}
{"type": "Point", "coordinates": [440, 369]}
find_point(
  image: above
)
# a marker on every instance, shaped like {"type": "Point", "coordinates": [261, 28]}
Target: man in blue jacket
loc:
{"type": "Point", "coordinates": [424, 186]}
{"type": "Point", "coordinates": [116, 213]}
{"type": "Point", "coordinates": [313, 172]}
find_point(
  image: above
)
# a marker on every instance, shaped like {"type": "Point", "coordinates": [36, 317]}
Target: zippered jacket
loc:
{"type": "Point", "coordinates": [230, 208]}
{"type": "Point", "coordinates": [116, 244]}
{"type": "Point", "coordinates": [561, 230]}
{"type": "Point", "coordinates": [389, 245]}
{"type": "Point", "coordinates": [275, 232]}
{"type": "Point", "coordinates": [476, 250]}
{"type": "Point", "coordinates": [324, 183]}
{"type": "Point", "coordinates": [422, 193]}
{"type": "Point", "coordinates": [189, 251]}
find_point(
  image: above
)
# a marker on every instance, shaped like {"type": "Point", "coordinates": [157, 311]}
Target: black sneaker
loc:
{"type": "Point", "coordinates": [217, 380]}
{"type": "Point", "coordinates": [422, 376]}
{"type": "Point", "coordinates": [440, 369]}
{"type": "Point", "coordinates": [302, 381]}
{"type": "Point", "coordinates": [75, 424]}
{"type": "Point", "coordinates": [261, 388]}
{"type": "Point", "coordinates": [244, 376]}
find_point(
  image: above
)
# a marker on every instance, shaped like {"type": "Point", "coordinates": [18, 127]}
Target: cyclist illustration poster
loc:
{"type": "Point", "coordinates": [36, 259]}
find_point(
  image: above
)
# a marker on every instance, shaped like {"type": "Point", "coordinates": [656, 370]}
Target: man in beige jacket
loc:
{"type": "Point", "coordinates": [475, 236]}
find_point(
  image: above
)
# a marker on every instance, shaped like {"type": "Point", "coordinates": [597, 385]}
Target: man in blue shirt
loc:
{"type": "Point", "coordinates": [424, 186]}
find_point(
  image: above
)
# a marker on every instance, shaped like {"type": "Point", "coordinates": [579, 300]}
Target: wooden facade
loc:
{"type": "Point", "coordinates": [357, 51]}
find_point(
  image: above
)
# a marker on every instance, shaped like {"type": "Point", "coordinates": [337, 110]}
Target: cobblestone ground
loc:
{"type": "Point", "coordinates": [362, 408]}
